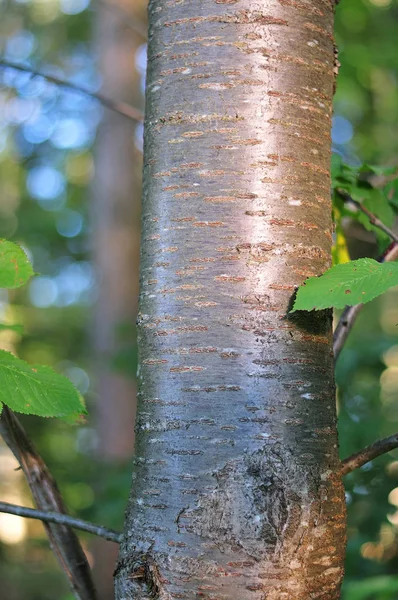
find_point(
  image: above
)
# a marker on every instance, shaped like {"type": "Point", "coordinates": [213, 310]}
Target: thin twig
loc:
{"type": "Point", "coordinates": [61, 518]}
{"type": "Point", "coordinates": [122, 108]}
{"type": "Point", "coordinates": [369, 453]}
{"type": "Point", "coordinates": [372, 218]}
{"type": "Point", "coordinates": [344, 326]}
{"type": "Point", "coordinates": [63, 540]}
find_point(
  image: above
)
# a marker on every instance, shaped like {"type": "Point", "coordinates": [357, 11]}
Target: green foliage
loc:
{"type": "Point", "coordinates": [56, 334]}
{"type": "Point", "coordinates": [15, 268]}
{"type": "Point", "coordinates": [36, 390]}
{"type": "Point", "coordinates": [15, 328]}
{"type": "Point", "coordinates": [359, 281]}
{"type": "Point", "coordinates": [350, 177]}
{"type": "Point", "coordinates": [355, 282]}
{"type": "Point", "coordinates": [367, 411]}
{"type": "Point", "coordinates": [367, 94]}
{"type": "Point", "coordinates": [33, 390]}
{"type": "Point", "coordinates": [370, 588]}
{"type": "Point", "coordinates": [376, 202]}
{"type": "Point", "coordinates": [355, 182]}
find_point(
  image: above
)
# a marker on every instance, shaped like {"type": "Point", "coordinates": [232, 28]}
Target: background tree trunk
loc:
{"type": "Point", "coordinates": [235, 492]}
{"type": "Point", "coordinates": [115, 212]}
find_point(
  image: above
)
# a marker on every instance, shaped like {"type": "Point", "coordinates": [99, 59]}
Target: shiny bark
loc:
{"type": "Point", "coordinates": [236, 492]}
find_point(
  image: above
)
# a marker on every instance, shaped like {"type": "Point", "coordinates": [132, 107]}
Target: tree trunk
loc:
{"type": "Point", "coordinates": [236, 493]}
{"type": "Point", "coordinates": [115, 214]}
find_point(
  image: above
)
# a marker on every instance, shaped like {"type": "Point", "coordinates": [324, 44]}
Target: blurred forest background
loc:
{"type": "Point", "coordinates": [70, 175]}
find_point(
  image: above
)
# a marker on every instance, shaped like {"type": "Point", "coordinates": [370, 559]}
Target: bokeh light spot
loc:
{"type": "Point", "coordinates": [342, 130]}
{"type": "Point", "coordinates": [43, 292]}
{"type": "Point", "coordinates": [69, 223]}
{"type": "Point", "coordinates": [73, 7]}
{"type": "Point", "coordinates": [45, 183]}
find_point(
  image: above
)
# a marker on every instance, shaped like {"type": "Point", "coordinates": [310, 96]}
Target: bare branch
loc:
{"type": "Point", "coordinates": [61, 518]}
{"type": "Point", "coordinates": [64, 542]}
{"type": "Point", "coordinates": [372, 218]}
{"type": "Point", "coordinates": [350, 313]}
{"type": "Point", "coordinates": [369, 453]}
{"type": "Point", "coordinates": [122, 108]}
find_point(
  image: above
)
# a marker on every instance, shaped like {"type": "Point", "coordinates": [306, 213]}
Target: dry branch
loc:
{"type": "Point", "coordinates": [357, 460]}
{"type": "Point", "coordinates": [64, 542]}
{"type": "Point", "coordinates": [62, 519]}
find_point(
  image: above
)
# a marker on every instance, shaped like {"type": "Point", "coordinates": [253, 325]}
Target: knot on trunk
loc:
{"type": "Point", "coordinates": [144, 579]}
{"type": "Point", "coordinates": [257, 505]}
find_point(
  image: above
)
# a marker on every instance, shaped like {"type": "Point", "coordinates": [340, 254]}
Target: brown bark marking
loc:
{"type": "Point", "coordinates": [244, 17]}
{"type": "Point", "coordinates": [305, 7]}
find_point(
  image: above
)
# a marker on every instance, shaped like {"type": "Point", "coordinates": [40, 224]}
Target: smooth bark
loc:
{"type": "Point", "coordinates": [236, 490]}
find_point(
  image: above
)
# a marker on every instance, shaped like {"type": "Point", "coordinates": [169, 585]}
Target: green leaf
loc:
{"type": "Point", "coordinates": [368, 588]}
{"type": "Point", "coordinates": [349, 283]}
{"type": "Point", "coordinates": [343, 175]}
{"type": "Point", "coordinates": [336, 165]}
{"type": "Point", "coordinates": [15, 268]}
{"type": "Point", "coordinates": [16, 328]}
{"type": "Point", "coordinates": [371, 198]}
{"type": "Point", "coordinates": [77, 417]}
{"type": "Point", "coordinates": [377, 203]}
{"type": "Point", "coordinates": [36, 390]}
{"type": "Point", "coordinates": [377, 170]}
{"type": "Point", "coordinates": [391, 191]}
